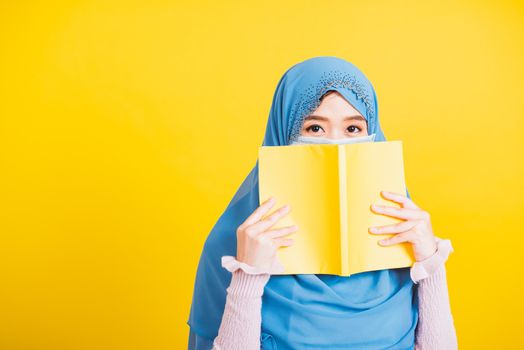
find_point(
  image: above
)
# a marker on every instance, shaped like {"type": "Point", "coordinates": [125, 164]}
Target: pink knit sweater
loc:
{"type": "Point", "coordinates": [241, 322]}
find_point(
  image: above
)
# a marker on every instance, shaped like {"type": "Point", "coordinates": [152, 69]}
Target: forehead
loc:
{"type": "Point", "coordinates": [319, 117]}
{"type": "Point", "coordinates": [335, 107]}
{"type": "Point", "coordinates": [333, 99]}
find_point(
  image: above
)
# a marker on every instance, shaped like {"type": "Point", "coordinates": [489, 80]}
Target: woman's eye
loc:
{"type": "Point", "coordinates": [314, 128]}
{"type": "Point", "coordinates": [352, 129]}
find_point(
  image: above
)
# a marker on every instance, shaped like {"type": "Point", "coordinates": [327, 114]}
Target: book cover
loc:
{"type": "Point", "coordinates": [330, 189]}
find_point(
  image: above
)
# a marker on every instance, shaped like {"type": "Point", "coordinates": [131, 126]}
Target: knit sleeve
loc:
{"type": "Point", "coordinates": [241, 321]}
{"type": "Point", "coordinates": [435, 328]}
{"type": "Point", "coordinates": [423, 269]}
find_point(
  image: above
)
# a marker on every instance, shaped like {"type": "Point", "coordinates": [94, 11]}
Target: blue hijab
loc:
{"type": "Point", "coordinates": [368, 310]}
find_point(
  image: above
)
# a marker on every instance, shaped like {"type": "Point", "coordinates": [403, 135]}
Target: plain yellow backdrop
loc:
{"type": "Point", "coordinates": [126, 127]}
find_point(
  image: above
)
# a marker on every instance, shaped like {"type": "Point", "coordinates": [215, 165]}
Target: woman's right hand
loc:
{"type": "Point", "coordinates": [257, 244]}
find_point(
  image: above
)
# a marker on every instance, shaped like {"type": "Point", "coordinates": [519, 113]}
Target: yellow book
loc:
{"type": "Point", "coordinates": [330, 188]}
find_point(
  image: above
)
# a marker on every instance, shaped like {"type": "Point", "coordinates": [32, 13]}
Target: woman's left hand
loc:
{"type": "Point", "coordinates": [416, 228]}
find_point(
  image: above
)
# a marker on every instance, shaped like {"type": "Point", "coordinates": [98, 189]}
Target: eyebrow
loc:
{"type": "Point", "coordinates": [319, 117]}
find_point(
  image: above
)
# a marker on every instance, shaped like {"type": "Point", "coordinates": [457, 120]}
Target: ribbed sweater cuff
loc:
{"type": "Point", "coordinates": [247, 285]}
{"type": "Point", "coordinates": [425, 268]}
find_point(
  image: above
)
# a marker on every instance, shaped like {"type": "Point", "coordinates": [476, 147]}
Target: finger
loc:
{"type": "Point", "coordinates": [401, 213]}
{"type": "Point", "coordinates": [281, 231]}
{"type": "Point", "coordinates": [399, 238]}
{"type": "Point", "coordinates": [283, 242]}
{"type": "Point", "coordinates": [270, 220]}
{"type": "Point", "coordinates": [393, 228]}
{"type": "Point", "coordinates": [399, 198]}
{"type": "Point", "coordinates": [259, 212]}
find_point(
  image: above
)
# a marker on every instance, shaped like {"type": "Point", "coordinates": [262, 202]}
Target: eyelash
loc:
{"type": "Point", "coordinates": [309, 127]}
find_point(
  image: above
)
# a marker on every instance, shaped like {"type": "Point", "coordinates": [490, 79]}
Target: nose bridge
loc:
{"type": "Point", "coordinates": [336, 129]}
{"type": "Point", "coordinates": [336, 132]}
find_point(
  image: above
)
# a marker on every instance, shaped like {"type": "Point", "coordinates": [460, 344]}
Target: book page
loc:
{"type": "Point", "coordinates": [371, 168]}
{"type": "Point", "coordinates": [306, 178]}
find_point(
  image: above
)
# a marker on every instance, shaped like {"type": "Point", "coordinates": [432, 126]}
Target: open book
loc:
{"type": "Point", "coordinates": [330, 188]}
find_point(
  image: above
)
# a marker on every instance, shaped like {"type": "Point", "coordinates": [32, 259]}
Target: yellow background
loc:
{"type": "Point", "coordinates": [126, 127]}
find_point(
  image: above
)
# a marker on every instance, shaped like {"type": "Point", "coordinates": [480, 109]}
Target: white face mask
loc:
{"type": "Point", "coordinates": [302, 140]}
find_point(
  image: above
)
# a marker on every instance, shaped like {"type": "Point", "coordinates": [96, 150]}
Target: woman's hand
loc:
{"type": "Point", "coordinates": [256, 243]}
{"type": "Point", "coordinates": [416, 228]}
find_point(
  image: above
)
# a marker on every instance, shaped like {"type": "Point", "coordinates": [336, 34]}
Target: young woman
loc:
{"type": "Point", "coordinates": [239, 304]}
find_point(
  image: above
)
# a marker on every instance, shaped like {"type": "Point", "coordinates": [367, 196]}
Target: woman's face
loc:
{"type": "Point", "coordinates": [335, 118]}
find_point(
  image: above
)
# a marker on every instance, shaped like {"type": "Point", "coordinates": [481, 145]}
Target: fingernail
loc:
{"type": "Point", "coordinates": [372, 229]}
